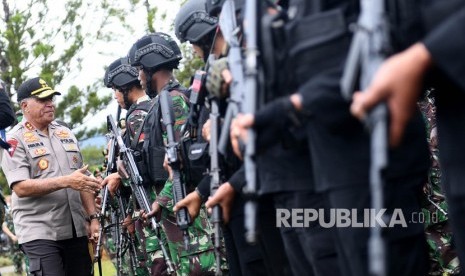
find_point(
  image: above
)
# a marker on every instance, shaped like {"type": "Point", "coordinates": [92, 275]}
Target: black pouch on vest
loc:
{"type": "Point", "coordinates": [156, 157]}
{"type": "Point", "coordinates": [195, 160]}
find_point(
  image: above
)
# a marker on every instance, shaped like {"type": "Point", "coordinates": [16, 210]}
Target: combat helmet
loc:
{"type": "Point", "coordinates": [122, 76]}
{"type": "Point", "coordinates": [155, 51]}
{"type": "Point", "coordinates": [192, 23]}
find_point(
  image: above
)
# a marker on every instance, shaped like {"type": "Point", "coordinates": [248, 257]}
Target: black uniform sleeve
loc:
{"type": "Point", "coordinates": [204, 187]}
{"type": "Point", "coordinates": [446, 43]}
{"type": "Point", "coordinates": [237, 180]}
{"type": "Point", "coordinates": [7, 115]}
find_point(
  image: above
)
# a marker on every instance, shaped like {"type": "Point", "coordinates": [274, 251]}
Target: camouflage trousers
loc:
{"type": "Point", "coordinates": [17, 257]}
{"type": "Point", "coordinates": [199, 259]}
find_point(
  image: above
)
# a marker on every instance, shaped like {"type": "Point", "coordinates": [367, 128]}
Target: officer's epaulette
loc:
{"type": "Point", "coordinates": [16, 128]}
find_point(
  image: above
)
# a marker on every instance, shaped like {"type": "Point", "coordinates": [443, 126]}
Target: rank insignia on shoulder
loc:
{"type": "Point", "coordinates": [29, 126]}
{"type": "Point", "coordinates": [13, 144]}
{"type": "Point", "coordinates": [62, 133]}
{"type": "Point", "coordinates": [43, 164]}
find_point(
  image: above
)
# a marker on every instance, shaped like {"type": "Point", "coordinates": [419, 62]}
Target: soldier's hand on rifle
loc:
{"type": "Point", "coordinates": [219, 78]}
{"type": "Point", "coordinates": [224, 196]}
{"type": "Point", "coordinates": [129, 224]}
{"type": "Point", "coordinates": [398, 81]}
{"type": "Point", "coordinates": [123, 173]}
{"type": "Point", "coordinates": [156, 211]}
{"type": "Point", "coordinates": [113, 181]}
{"type": "Point", "coordinates": [79, 181]}
{"type": "Point", "coordinates": [206, 130]}
{"type": "Point", "coordinates": [238, 131]}
{"type": "Point", "coordinates": [192, 202]}
{"type": "Point", "coordinates": [167, 168]}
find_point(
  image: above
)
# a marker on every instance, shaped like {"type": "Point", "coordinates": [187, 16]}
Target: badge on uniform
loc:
{"type": "Point", "coordinates": [43, 164]}
{"type": "Point", "coordinates": [29, 126]}
{"type": "Point", "coordinates": [70, 147]}
{"type": "Point", "coordinates": [40, 151]}
{"type": "Point", "coordinates": [62, 134]}
{"type": "Point", "coordinates": [30, 137]}
{"type": "Point", "coordinates": [13, 144]}
{"type": "Point", "coordinates": [75, 159]}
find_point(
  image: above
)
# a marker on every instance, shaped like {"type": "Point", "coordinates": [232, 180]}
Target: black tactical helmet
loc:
{"type": "Point", "coordinates": [120, 74]}
{"type": "Point", "coordinates": [213, 7]}
{"type": "Point", "coordinates": [193, 22]}
{"type": "Point", "coordinates": [155, 51]}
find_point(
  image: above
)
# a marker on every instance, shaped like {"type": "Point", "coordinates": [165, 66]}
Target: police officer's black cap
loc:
{"type": "Point", "coordinates": [37, 88]}
{"type": "Point", "coordinates": [120, 73]}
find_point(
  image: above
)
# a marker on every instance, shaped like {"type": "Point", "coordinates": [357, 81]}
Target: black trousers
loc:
{"type": "Point", "coordinates": [311, 250]}
{"type": "Point", "coordinates": [406, 250]}
{"type": "Point", "coordinates": [243, 259]}
{"type": "Point", "coordinates": [58, 258]}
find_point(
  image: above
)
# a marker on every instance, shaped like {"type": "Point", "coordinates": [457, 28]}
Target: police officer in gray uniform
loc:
{"type": "Point", "coordinates": [52, 195]}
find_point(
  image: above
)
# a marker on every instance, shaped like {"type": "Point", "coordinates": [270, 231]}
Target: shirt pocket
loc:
{"type": "Point", "coordinates": [73, 155]}
{"type": "Point", "coordinates": [42, 163]}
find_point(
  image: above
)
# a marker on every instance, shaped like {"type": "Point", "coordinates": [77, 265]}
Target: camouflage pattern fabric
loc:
{"type": "Point", "coordinates": [443, 257]}
{"type": "Point", "coordinates": [17, 256]}
{"type": "Point", "coordinates": [200, 258]}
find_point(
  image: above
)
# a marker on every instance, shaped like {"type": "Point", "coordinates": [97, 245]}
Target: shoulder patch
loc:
{"type": "Point", "coordinates": [13, 144]}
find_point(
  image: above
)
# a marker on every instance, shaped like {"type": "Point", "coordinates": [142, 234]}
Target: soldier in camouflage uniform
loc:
{"type": "Point", "coordinates": [123, 78]}
{"type": "Point", "coordinates": [443, 257]}
{"type": "Point", "coordinates": [157, 55]}
{"type": "Point", "coordinates": [8, 228]}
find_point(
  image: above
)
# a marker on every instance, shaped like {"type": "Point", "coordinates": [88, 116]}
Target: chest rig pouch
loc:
{"type": "Point", "coordinates": [194, 151]}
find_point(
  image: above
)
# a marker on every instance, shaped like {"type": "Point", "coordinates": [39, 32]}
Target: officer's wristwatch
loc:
{"type": "Point", "coordinates": [93, 216]}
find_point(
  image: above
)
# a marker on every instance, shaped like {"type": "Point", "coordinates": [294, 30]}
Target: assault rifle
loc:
{"type": "Point", "coordinates": [135, 181]}
{"type": "Point", "coordinates": [183, 218]}
{"type": "Point", "coordinates": [228, 26]}
{"type": "Point", "coordinates": [370, 47]}
{"type": "Point", "coordinates": [111, 167]}
{"type": "Point", "coordinates": [215, 173]}
{"type": "Point", "coordinates": [250, 105]}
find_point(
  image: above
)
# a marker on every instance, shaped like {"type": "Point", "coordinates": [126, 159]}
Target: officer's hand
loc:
{"type": "Point", "coordinates": [123, 173]}
{"type": "Point", "coordinates": [238, 131]}
{"type": "Point", "coordinates": [224, 196]}
{"type": "Point", "coordinates": [94, 230]}
{"type": "Point", "coordinates": [167, 168]}
{"type": "Point", "coordinates": [113, 182]}
{"type": "Point", "coordinates": [79, 181]}
{"type": "Point", "coordinates": [14, 239]}
{"type": "Point", "coordinates": [156, 211]}
{"type": "Point", "coordinates": [398, 81]}
{"type": "Point", "coordinates": [219, 78]}
{"type": "Point", "coordinates": [206, 130]}
{"type": "Point", "coordinates": [192, 201]}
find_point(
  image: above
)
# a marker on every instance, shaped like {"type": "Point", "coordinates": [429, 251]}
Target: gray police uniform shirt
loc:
{"type": "Point", "coordinates": [34, 155]}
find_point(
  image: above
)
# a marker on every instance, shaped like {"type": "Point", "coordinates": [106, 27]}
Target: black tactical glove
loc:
{"type": "Point", "coordinates": [215, 81]}
{"type": "Point", "coordinates": [275, 114]}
